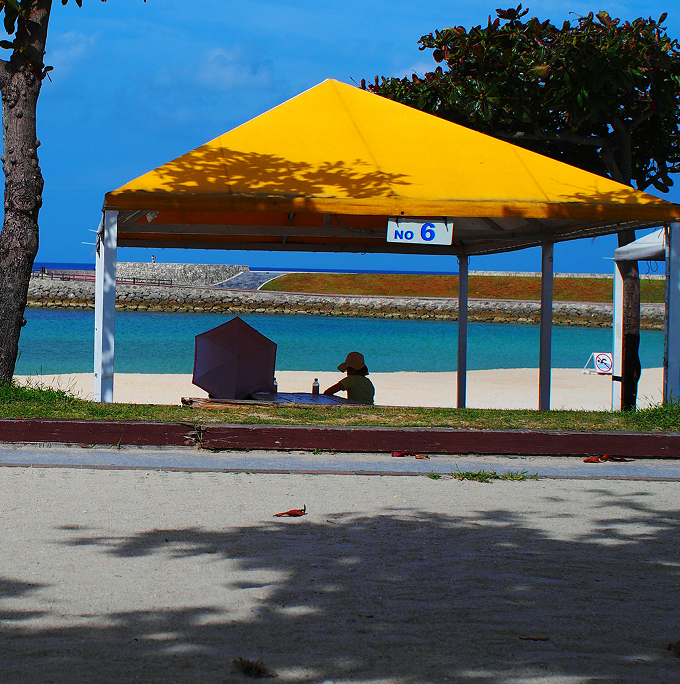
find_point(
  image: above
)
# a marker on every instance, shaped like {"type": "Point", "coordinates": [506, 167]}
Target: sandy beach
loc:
{"type": "Point", "coordinates": [111, 576]}
{"type": "Point", "coordinates": [505, 388]}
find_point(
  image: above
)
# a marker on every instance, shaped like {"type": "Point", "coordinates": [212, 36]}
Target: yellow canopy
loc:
{"type": "Point", "coordinates": [339, 151]}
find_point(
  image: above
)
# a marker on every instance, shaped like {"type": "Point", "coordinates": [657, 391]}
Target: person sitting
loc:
{"type": "Point", "coordinates": [358, 387]}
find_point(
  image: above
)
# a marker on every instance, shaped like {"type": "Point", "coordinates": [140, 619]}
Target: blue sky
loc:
{"type": "Point", "coordinates": [137, 84]}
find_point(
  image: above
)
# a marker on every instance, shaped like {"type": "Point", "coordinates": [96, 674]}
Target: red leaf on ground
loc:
{"type": "Point", "coordinates": [606, 457]}
{"type": "Point", "coordinates": [292, 513]}
{"type": "Point", "coordinates": [419, 456]}
{"type": "Point", "coordinates": [400, 454]}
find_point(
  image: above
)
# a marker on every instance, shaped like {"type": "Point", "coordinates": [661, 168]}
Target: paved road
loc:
{"type": "Point", "coordinates": [250, 280]}
{"type": "Point", "coordinates": [279, 461]}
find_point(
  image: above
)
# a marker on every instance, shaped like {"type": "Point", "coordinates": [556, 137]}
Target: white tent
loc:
{"type": "Point", "coordinates": [651, 247]}
{"type": "Point", "coordinates": [661, 245]}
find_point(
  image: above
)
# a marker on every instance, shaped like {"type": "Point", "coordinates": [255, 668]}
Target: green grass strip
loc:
{"type": "Point", "coordinates": [36, 401]}
{"type": "Point", "coordinates": [485, 476]}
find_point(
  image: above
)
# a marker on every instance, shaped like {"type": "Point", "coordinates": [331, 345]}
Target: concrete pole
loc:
{"type": "Point", "coordinates": [671, 360]}
{"type": "Point", "coordinates": [462, 330]}
{"type": "Point", "coordinates": [617, 330]}
{"type": "Point", "coordinates": [544, 362]}
{"type": "Point", "coordinates": [105, 306]}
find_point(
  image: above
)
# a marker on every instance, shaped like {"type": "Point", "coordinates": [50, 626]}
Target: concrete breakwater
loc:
{"type": "Point", "coordinates": [180, 274]}
{"type": "Point", "coordinates": [80, 295]}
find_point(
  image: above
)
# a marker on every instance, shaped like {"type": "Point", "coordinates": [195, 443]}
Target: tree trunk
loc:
{"type": "Point", "coordinates": [20, 88]}
{"type": "Point", "coordinates": [619, 164]}
{"type": "Point", "coordinates": [630, 366]}
{"type": "Point", "coordinates": [630, 363]}
{"type": "Point", "coordinates": [631, 369]}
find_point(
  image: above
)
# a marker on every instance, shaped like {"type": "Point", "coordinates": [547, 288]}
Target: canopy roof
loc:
{"type": "Point", "coordinates": [325, 171]}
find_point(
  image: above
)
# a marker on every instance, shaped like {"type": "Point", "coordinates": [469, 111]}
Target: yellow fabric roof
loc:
{"type": "Point", "coordinates": [338, 149]}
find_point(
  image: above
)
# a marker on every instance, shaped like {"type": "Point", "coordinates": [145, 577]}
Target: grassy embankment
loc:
{"type": "Point", "coordinates": [480, 287]}
{"type": "Point", "coordinates": [36, 402]}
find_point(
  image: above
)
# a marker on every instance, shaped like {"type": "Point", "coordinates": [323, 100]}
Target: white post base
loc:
{"type": "Point", "coordinates": [105, 307]}
{"type": "Point", "coordinates": [617, 330]}
{"type": "Point", "coordinates": [671, 360]}
{"type": "Point", "coordinates": [545, 356]}
{"type": "Point", "coordinates": [461, 375]}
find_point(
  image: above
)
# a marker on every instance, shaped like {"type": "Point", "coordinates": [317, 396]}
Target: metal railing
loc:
{"type": "Point", "coordinates": [144, 281]}
{"type": "Point", "coordinates": [48, 274]}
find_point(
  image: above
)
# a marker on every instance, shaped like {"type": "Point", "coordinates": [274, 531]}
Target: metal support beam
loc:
{"type": "Point", "coordinates": [617, 330]}
{"type": "Point", "coordinates": [671, 360]}
{"type": "Point", "coordinates": [461, 375]}
{"type": "Point", "coordinates": [544, 362]}
{"type": "Point", "coordinates": [105, 306]}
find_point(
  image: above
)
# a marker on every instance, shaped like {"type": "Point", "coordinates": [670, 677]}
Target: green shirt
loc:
{"type": "Point", "coordinates": [359, 388]}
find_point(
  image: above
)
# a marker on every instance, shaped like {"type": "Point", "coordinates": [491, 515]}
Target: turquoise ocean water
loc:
{"type": "Point", "coordinates": [61, 341]}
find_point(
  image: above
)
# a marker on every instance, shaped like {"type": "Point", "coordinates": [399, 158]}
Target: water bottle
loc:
{"type": "Point", "coordinates": [276, 387]}
{"type": "Point", "coordinates": [315, 386]}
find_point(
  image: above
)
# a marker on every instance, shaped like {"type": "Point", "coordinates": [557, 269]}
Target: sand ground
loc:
{"type": "Point", "coordinates": [504, 388]}
{"type": "Point", "coordinates": [111, 576]}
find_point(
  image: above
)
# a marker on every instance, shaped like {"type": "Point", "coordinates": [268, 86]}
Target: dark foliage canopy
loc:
{"type": "Point", "coordinates": [598, 93]}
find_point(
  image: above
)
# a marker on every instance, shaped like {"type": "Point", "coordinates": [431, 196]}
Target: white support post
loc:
{"type": "Point", "coordinates": [671, 360]}
{"type": "Point", "coordinates": [545, 355]}
{"type": "Point", "coordinates": [461, 375]}
{"type": "Point", "coordinates": [617, 331]}
{"type": "Point", "coordinates": [105, 306]}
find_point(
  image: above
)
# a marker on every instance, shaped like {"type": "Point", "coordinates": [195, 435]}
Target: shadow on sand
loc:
{"type": "Point", "coordinates": [406, 596]}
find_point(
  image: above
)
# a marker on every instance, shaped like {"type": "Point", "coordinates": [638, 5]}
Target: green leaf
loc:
{"type": "Point", "coordinates": [604, 18]}
{"type": "Point", "coordinates": [10, 19]}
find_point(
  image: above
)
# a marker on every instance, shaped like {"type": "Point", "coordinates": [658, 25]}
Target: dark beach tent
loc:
{"type": "Point", "coordinates": [234, 360]}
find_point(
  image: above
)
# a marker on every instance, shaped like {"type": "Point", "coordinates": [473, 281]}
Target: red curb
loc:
{"type": "Point", "coordinates": [343, 439]}
{"type": "Point", "coordinates": [115, 433]}
{"type": "Point", "coordinates": [443, 440]}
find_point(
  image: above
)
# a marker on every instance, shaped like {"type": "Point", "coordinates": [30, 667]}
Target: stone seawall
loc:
{"type": "Point", "coordinates": [80, 295]}
{"type": "Point", "coordinates": [184, 274]}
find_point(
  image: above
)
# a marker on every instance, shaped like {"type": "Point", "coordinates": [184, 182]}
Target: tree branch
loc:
{"type": "Point", "coordinates": [40, 16]}
{"type": "Point", "coordinates": [624, 164]}
{"type": "Point", "coordinates": [621, 126]}
{"type": "Point", "coordinates": [554, 137]}
{"type": "Point", "coordinates": [6, 71]}
{"type": "Point", "coordinates": [607, 156]}
{"type": "Point", "coordinates": [647, 115]}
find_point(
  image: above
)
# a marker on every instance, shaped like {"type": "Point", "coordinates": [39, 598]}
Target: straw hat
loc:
{"type": "Point", "coordinates": [354, 360]}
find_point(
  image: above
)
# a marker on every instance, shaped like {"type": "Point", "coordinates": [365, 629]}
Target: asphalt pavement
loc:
{"type": "Point", "coordinates": [190, 458]}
